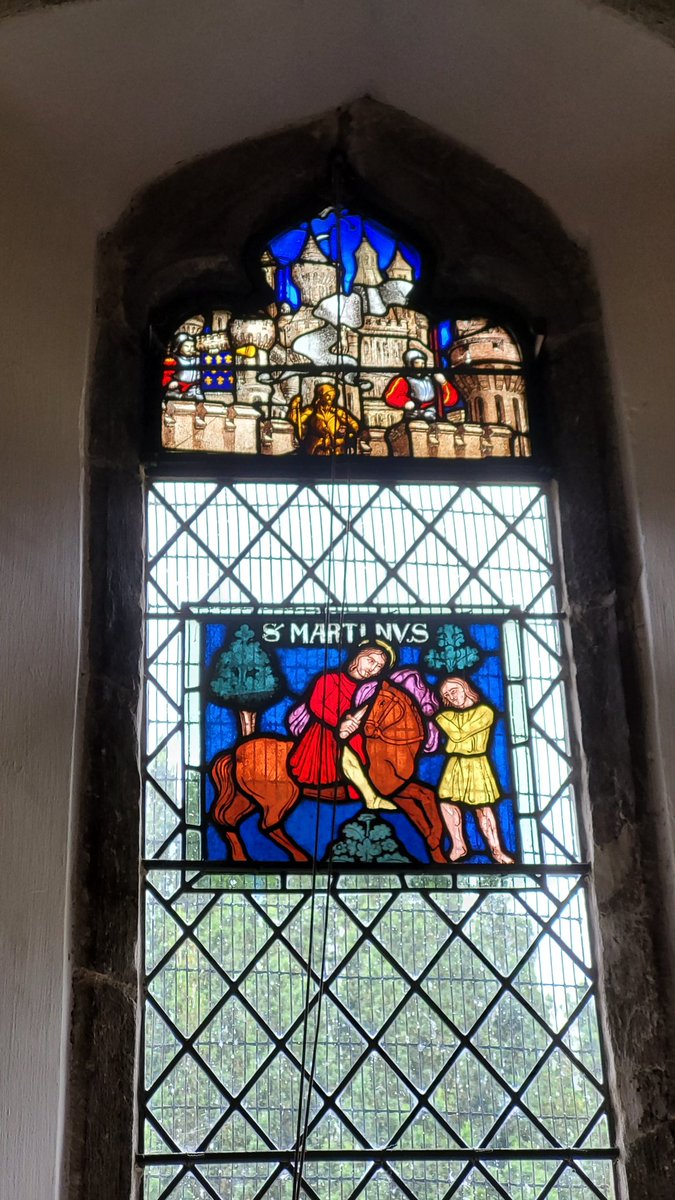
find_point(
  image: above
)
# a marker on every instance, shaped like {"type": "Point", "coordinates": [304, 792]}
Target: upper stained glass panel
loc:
{"type": "Point", "coordinates": [341, 362]}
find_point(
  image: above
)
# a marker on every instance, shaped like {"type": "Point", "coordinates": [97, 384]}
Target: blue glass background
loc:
{"type": "Point", "coordinates": [338, 236]}
{"type": "Point", "coordinates": [320, 822]}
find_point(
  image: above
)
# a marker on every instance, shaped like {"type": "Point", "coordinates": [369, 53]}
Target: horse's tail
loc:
{"type": "Point", "coordinates": [222, 773]}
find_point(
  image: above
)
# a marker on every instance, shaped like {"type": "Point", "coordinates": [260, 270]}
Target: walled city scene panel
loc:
{"type": "Point", "coordinates": [340, 362]}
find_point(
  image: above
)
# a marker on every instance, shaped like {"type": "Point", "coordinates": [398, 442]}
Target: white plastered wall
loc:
{"type": "Point", "coordinates": [536, 94]}
{"type": "Point", "coordinates": [45, 301]}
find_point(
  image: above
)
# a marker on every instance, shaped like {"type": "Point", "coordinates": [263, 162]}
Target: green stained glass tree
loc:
{"type": "Point", "coordinates": [245, 678]}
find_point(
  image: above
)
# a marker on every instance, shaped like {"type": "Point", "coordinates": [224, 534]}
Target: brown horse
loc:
{"type": "Point", "coordinates": [255, 775]}
{"type": "Point", "coordinates": [394, 732]}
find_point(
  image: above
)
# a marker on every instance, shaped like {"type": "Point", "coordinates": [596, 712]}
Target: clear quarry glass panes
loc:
{"type": "Point", "coordinates": [396, 1014]}
{"type": "Point", "coordinates": [344, 996]}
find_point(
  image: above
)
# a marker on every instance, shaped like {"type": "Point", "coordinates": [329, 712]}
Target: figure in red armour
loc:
{"type": "Point", "coordinates": [421, 395]}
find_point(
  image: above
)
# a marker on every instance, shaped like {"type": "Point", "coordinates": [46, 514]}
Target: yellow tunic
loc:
{"type": "Point", "coordinates": [468, 777]}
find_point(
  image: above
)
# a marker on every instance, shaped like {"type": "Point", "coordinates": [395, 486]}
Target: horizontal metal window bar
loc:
{"type": "Point", "coordinates": [176, 466]}
{"type": "Point", "coordinates": [254, 870]}
{"type": "Point", "coordinates": [383, 1156]}
{"type": "Point", "coordinates": [332, 370]}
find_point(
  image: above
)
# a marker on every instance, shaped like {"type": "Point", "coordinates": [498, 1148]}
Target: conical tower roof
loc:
{"type": "Point", "coordinates": [311, 252]}
{"type": "Point", "coordinates": [269, 267]}
{"type": "Point", "coordinates": [400, 269]}
{"type": "Point", "coordinates": [367, 272]}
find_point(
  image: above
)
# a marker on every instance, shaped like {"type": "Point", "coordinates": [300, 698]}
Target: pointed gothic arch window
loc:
{"type": "Point", "coordinates": [368, 969]}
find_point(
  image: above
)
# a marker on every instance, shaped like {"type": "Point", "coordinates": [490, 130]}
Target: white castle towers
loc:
{"type": "Point", "coordinates": [314, 276]}
{"type": "Point", "coordinates": [388, 329]}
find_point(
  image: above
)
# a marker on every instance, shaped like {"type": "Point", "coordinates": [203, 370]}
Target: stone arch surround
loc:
{"type": "Point", "coordinates": [492, 239]}
{"type": "Point", "coordinates": [657, 15]}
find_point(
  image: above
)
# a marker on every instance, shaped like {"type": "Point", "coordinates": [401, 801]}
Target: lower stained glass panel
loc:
{"type": "Point", "coordinates": [248, 630]}
{"type": "Point", "coordinates": [377, 1024]}
{"type": "Point", "coordinates": [355, 741]}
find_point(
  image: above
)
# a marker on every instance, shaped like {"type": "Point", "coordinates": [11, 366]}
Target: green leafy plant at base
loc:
{"type": "Point", "coordinates": [368, 839]}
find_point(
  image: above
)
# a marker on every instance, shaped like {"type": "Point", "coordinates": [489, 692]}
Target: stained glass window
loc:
{"type": "Point", "coordinates": [341, 361]}
{"type": "Point", "coordinates": [368, 960]}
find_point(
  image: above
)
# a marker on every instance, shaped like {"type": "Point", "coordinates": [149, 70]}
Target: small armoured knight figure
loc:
{"type": "Point", "coordinates": [182, 368]}
{"type": "Point", "coordinates": [423, 395]}
{"type": "Point", "coordinates": [187, 365]}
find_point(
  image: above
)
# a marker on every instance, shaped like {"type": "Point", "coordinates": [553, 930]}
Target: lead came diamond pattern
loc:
{"type": "Point", "coordinates": [369, 986]}
{"type": "Point", "coordinates": [231, 933]}
{"type": "Point", "coordinates": [234, 1025]}
{"type": "Point", "coordinates": [393, 1064]}
{"type": "Point", "coordinates": [511, 1040]}
{"type": "Point", "coordinates": [461, 984]}
{"type": "Point", "coordinates": [420, 1042]}
{"type": "Point", "coordinates": [276, 988]}
{"type": "Point", "coordinates": [274, 1100]}
{"type": "Point", "coordinates": [382, 1187]}
{"type": "Point", "coordinates": [406, 1014]}
{"type": "Point", "coordinates": [409, 912]}
{"type": "Point", "coordinates": [558, 1075]}
{"type": "Point", "coordinates": [187, 987]}
{"type": "Point", "coordinates": [377, 1101]}
{"type": "Point", "coordinates": [187, 1104]}
{"type": "Point", "coordinates": [471, 1098]}
{"type": "Point", "coordinates": [365, 538]}
{"type": "Point", "coordinates": [339, 1046]}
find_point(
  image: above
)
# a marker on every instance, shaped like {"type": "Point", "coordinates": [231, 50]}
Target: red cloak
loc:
{"type": "Point", "coordinates": [315, 758]}
{"type": "Point", "coordinates": [397, 394]}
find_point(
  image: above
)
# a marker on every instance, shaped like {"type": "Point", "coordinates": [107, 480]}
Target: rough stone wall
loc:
{"type": "Point", "coordinates": [492, 240]}
{"type": "Point", "coordinates": [657, 15]}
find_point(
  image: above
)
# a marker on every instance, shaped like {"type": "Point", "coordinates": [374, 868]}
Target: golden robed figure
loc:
{"type": "Point", "coordinates": [324, 426]}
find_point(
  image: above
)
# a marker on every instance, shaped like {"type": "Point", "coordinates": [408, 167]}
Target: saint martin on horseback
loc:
{"type": "Point", "coordinates": [358, 734]}
{"type": "Point", "coordinates": [330, 748]}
